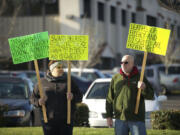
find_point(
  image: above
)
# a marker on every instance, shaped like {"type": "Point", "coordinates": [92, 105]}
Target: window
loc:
{"type": "Point", "coordinates": [113, 15]}
{"type": "Point", "coordinates": [172, 27]}
{"type": "Point", "coordinates": [133, 17]}
{"type": "Point", "coordinates": [174, 70]}
{"type": "Point", "coordinates": [13, 90]}
{"type": "Point", "coordinates": [162, 69]}
{"type": "Point", "coordinates": [151, 21]}
{"type": "Point", "coordinates": [30, 7]}
{"type": "Point", "coordinates": [170, 70]}
{"type": "Point", "coordinates": [123, 17]}
{"type": "Point", "coordinates": [52, 7]}
{"type": "Point", "coordinates": [149, 72]}
{"type": "Point", "coordinates": [87, 8]}
{"type": "Point", "coordinates": [178, 32]}
{"type": "Point", "coordinates": [99, 91]}
{"type": "Point", "coordinates": [100, 11]}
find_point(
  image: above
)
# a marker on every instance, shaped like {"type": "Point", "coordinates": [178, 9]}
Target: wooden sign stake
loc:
{"type": "Point", "coordinates": [40, 90]}
{"type": "Point", "coordinates": [69, 90]}
{"type": "Point", "coordinates": [141, 79]}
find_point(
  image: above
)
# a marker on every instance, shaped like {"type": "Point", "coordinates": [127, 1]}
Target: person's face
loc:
{"type": "Point", "coordinates": [127, 64]}
{"type": "Point", "coordinates": [58, 70]}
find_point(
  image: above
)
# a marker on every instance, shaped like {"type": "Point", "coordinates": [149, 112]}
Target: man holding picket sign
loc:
{"type": "Point", "coordinates": [128, 89]}
{"type": "Point", "coordinates": [62, 93]}
{"type": "Point", "coordinates": [55, 86]}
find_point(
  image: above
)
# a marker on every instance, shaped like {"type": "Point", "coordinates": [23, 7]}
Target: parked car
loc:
{"type": "Point", "coordinates": [95, 98]}
{"type": "Point", "coordinates": [89, 74]}
{"type": "Point", "coordinates": [83, 84]}
{"type": "Point", "coordinates": [170, 78]}
{"type": "Point", "coordinates": [15, 93]}
{"type": "Point", "coordinates": [108, 73]}
{"type": "Point", "coordinates": [23, 74]}
{"type": "Point", "coordinates": [163, 81]}
{"type": "Point", "coordinates": [5, 73]}
{"type": "Point", "coordinates": [31, 74]}
{"type": "Point", "coordinates": [152, 74]}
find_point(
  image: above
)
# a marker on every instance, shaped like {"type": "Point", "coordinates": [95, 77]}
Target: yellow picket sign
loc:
{"type": "Point", "coordinates": [68, 47]}
{"type": "Point", "coordinates": [148, 38]}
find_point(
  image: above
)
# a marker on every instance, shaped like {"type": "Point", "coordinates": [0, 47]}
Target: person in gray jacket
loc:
{"type": "Point", "coordinates": [54, 86]}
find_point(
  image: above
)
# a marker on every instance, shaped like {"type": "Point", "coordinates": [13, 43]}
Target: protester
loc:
{"type": "Point", "coordinates": [54, 86]}
{"type": "Point", "coordinates": [121, 99]}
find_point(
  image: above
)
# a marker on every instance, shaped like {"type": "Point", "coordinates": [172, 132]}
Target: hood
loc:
{"type": "Point", "coordinates": [14, 104]}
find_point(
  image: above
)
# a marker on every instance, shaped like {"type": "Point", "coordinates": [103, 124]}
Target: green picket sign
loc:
{"type": "Point", "coordinates": [29, 47]}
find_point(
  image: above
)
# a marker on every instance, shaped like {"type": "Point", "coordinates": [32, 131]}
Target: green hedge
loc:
{"type": "Point", "coordinates": [81, 115]}
{"type": "Point", "coordinates": [166, 119]}
{"type": "Point", "coordinates": [3, 108]}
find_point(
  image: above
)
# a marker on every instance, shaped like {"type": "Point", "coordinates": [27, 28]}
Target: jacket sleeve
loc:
{"type": "Point", "coordinates": [77, 95]}
{"type": "Point", "coordinates": [109, 100]}
{"type": "Point", "coordinates": [35, 96]}
{"type": "Point", "coordinates": [148, 92]}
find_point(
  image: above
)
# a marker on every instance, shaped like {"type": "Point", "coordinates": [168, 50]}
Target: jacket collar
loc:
{"type": "Point", "coordinates": [133, 72]}
{"type": "Point", "coordinates": [50, 78]}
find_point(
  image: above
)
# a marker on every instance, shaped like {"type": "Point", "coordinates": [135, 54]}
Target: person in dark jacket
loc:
{"type": "Point", "coordinates": [54, 86]}
{"type": "Point", "coordinates": [121, 99]}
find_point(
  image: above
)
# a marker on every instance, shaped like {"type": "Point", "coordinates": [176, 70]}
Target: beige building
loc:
{"type": "Point", "coordinates": [105, 21]}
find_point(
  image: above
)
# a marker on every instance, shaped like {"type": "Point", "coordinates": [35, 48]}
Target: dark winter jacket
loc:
{"type": "Point", "coordinates": [55, 89]}
{"type": "Point", "coordinates": [122, 94]}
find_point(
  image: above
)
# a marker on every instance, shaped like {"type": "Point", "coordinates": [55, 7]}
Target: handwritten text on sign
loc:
{"type": "Point", "coordinates": [30, 47]}
{"type": "Point", "coordinates": [147, 38]}
{"type": "Point", "coordinates": [68, 47]}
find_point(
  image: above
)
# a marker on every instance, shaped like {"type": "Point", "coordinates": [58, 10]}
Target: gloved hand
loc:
{"type": "Point", "coordinates": [42, 101]}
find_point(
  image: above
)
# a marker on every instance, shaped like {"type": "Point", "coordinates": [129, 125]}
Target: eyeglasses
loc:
{"type": "Point", "coordinates": [125, 62]}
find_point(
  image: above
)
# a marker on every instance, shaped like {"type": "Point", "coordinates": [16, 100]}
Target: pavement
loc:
{"type": "Point", "coordinates": [173, 102]}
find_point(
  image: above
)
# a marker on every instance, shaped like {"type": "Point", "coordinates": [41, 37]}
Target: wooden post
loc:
{"type": "Point", "coordinates": [40, 90]}
{"type": "Point", "coordinates": [141, 79]}
{"type": "Point", "coordinates": [69, 90]}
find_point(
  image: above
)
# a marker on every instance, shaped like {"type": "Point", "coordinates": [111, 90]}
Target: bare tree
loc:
{"type": "Point", "coordinates": [172, 5]}
{"type": "Point", "coordinates": [96, 45]}
{"type": "Point", "coordinates": [12, 21]}
{"type": "Point", "coordinates": [2, 7]}
{"type": "Point", "coordinates": [167, 59]}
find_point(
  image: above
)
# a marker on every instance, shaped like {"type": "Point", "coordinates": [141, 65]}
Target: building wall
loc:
{"type": "Point", "coordinates": [71, 21]}
{"type": "Point", "coordinates": [23, 26]}
{"type": "Point", "coordinates": [115, 34]}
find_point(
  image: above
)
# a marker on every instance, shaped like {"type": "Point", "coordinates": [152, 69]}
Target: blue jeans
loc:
{"type": "Point", "coordinates": [124, 127]}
